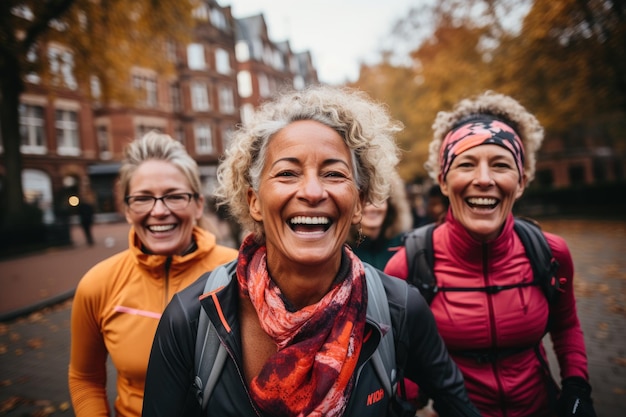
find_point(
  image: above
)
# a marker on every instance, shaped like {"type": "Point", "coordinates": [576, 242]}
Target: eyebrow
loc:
{"type": "Point", "coordinates": [326, 162]}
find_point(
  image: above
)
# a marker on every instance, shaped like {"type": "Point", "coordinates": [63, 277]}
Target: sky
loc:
{"type": "Point", "coordinates": [340, 34]}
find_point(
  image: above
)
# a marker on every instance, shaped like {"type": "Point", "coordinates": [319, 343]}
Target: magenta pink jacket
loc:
{"type": "Point", "coordinates": [515, 384]}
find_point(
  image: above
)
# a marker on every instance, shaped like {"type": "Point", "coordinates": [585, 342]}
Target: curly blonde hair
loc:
{"type": "Point", "coordinates": [501, 106]}
{"type": "Point", "coordinates": [365, 126]}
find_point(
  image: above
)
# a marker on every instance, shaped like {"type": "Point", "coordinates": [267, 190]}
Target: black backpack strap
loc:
{"type": "Point", "coordinates": [210, 354]}
{"type": "Point", "coordinates": [384, 358]}
{"type": "Point", "coordinates": [539, 253]}
{"type": "Point", "coordinates": [420, 260]}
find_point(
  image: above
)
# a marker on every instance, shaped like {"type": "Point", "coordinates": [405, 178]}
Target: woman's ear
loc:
{"type": "Point", "coordinates": [521, 186]}
{"type": "Point", "coordinates": [254, 205]}
{"type": "Point", "coordinates": [443, 186]}
{"type": "Point", "coordinates": [358, 210]}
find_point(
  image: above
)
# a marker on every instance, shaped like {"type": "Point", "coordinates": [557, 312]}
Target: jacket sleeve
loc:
{"type": "Point", "coordinates": [171, 366]}
{"type": "Point", "coordinates": [88, 354]}
{"type": "Point", "coordinates": [428, 362]}
{"type": "Point", "coordinates": [565, 331]}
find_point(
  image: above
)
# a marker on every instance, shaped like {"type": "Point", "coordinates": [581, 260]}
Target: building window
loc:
{"type": "Point", "coordinates": [179, 135]}
{"type": "Point", "coordinates": [298, 82]}
{"type": "Point", "coordinates": [201, 13]}
{"type": "Point", "coordinates": [67, 132]}
{"type": "Point", "coordinates": [95, 87]}
{"type": "Point", "coordinates": [104, 147]}
{"type": "Point", "coordinates": [195, 56]}
{"type": "Point", "coordinates": [227, 136]}
{"type": "Point", "coordinates": [62, 67]}
{"type": "Point", "coordinates": [227, 100]}
{"type": "Point", "coordinates": [247, 110]}
{"type": "Point", "coordinates": [170, 51]}
{"type": "Point", "coordinates": [242, 51]}
{"type": "Point", "coordinates": [268, 55]}
{"type": "Point", "coordinates": [279, 61]}
{"type": "Point", "coordinates": [222, 61]}
{"type": "Point", "coordinates": [146, 88]}
{"type": "Point", "coordinates": [264, 86]}
{"type": "Point", "coordinates": [142, 129]}
{"type": "Point", "coordinates": [204, 138]}
{"type": "Point", "coordinates": [37, 188]}
{"type": "Point", "coordinates": [32, 56]}
{"type": "Point", "coordinates": [218, 19]}
{"type": "Point", "coordinates": [200, 97]}
{"type": "Point", "coordinates": [175, 97]}
{"type": "Point", "coordinates": [244, 84]}
{"type": "Point", "coordinates": [32, 132]}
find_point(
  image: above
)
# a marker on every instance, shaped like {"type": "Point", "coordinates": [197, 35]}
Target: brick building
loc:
{"type": "Point", "coordinates": [72, 145]}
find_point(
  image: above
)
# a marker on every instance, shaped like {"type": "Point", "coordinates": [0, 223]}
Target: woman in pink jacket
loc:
{"type": "Point", "coordinates": [489, 315]}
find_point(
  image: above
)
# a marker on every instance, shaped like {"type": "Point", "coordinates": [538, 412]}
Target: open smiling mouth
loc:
{"type": "Point", "coordinates": [161, 227]}
{"type": "Point", "coordinates": [484, 203]}
{"type": "Point", "coordinates": [310, 224]}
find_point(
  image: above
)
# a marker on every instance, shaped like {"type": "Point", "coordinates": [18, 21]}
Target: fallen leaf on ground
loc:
{"type": "Point", "coordinates": [10, 403]}
{"type": "Point", "coordinates": [35, 343]}
{"type": "Point", "coordinates": [620, 361]}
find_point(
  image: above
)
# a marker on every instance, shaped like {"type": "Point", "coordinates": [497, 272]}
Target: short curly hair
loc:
{"type": "Point", "coordinates": [365, 126]}
{"type": "Point", "coordinates": [504, 108]}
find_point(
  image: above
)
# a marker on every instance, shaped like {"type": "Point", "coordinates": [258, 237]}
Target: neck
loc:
{"type": "Point", "coordinates": [303, 285]}
{"type": "Point", "coordinates": [371, 232]}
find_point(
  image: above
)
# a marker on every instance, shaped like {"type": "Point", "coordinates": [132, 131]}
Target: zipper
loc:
{"type": "Point", "coordinates": [492, 325]}
{"type": "Point", "coordinates": [167, 266]}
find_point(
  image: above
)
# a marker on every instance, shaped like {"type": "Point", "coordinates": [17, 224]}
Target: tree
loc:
{"type": "Point", "coordinates": [566, 63]}
{"type": "Point", "coordinates": [106, 37]}
{"type": "Point", "coordinates": [563, 59]}
{"type": "Point", "coordinates": [445, 66]}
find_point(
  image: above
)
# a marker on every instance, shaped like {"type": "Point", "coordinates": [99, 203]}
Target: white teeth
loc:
{"type": "Point", "coordinates": [309, 220]}
{"type": "Point", "coordinates": [482, 201]}
{"type": "Point", "coordinates": [161, 227]}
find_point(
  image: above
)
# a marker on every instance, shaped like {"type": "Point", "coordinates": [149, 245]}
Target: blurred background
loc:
{"type": "Point", "coordinates": [81, 78]}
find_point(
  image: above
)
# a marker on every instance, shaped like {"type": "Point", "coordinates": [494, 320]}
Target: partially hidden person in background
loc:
{"type": "Point", "coordinates": [491, 315]}
{"type": "Point", "coordinates": [86, 216]}
{"type": "Point", "coordinates": [119, 301]}
{"type": "Point", "coordinates": [379, 234]}
{"type": "Point", "coordinates": [294, 317]}
{"type": "Point", "coordinates": [436, 205]}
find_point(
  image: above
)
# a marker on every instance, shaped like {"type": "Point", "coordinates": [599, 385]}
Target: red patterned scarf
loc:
{"type": "Point", "coordinates": [312, 373]}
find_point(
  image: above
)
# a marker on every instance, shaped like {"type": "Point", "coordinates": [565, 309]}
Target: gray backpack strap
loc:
{"type": "Point", "coordinates": [210, 354]}
{"type": "Point", "coordinates": [384, 359]}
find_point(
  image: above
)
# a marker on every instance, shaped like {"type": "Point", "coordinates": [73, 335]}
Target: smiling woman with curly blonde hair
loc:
{"type": "Point", "coordinates": [298, 314]}
{"type": "Point", "coordinates": [490, 308]}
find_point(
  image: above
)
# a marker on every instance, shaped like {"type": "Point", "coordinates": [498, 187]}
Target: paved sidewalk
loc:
{"type": "Point", "coordinates": [33, 281]}
{"type": "Point", "coordinates": [34, 347]}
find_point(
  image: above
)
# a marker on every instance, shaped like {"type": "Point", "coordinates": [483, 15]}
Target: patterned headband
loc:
{"type": "Point", "coordinates": [480, 130]}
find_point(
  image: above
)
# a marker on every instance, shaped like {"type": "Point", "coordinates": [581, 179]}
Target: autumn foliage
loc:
{"type": "Point", "coordinates": [563, 59]}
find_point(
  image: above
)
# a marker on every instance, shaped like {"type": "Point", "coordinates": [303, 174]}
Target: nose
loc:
{"type": "Point", "coordinates": [159, 208]}
{"type": "Point", "coordinates": [312, 189]}
{"type": "Point", "coordinates": [484, 175]}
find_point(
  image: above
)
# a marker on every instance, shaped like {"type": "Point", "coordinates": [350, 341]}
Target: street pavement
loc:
{"type": "Point", "coordinates": [37, 289]}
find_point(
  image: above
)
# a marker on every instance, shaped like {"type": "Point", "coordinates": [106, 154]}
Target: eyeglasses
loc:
{"type": "Point", "coordinates": [144, 203]}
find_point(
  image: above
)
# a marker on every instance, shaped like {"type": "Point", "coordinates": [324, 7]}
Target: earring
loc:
{"type": "Point", "coordinates": [360, 237]}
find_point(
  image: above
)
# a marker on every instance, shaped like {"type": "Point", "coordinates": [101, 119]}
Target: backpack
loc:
{"type": "Point", "coordinates": [210, 354]}
{"type": "Point", "coordinates": [420, 260]}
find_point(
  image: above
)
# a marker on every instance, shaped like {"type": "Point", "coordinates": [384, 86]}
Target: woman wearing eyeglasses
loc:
{"type": "Point", "coordinates": [119, 301]}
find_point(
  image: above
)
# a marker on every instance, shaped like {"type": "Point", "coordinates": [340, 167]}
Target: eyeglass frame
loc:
{"type": "Point", "coordinates": [162, 198]}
